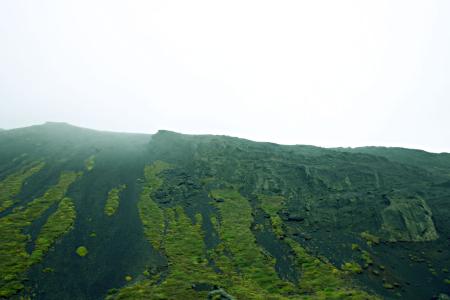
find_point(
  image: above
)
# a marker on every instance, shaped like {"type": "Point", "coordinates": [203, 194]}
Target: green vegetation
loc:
{"type": "Point", "coordinates": [388, 285]}
{"type": "Point", "coordinates": [48, 270]}
{"type": "Point", "coordinates": [151, 215]}
{"type": "Point", "coordinates": [367, 258]}
{"type": "Point", "coordinates": [352, 267]}
{"type": "Point", "coordinates": [112, 203]}
{"type": "Point", "coordinates": [321, 280]}
{"type": "Point", "coordinates": [256, 267]}
{"type": "Point", "coordinates": [11, 185]}
{"type": "Point", "coordinates": [246, 270]}
{"type": "Point", "coordinates": [370, 238]}
{"type": "Point", "coordinates": [185, 250]}
{"type": "Point", "coordinates": [15, 259]}
{"type": "Point", "coordinates": [272, 205]}
{"type": "Point", "coordinates": [89, 163]}
{"type": "Point", "coordinates": [255, 220]}
{"type": "Point", "coordinates": [60, 222]}
{"type": "Point", "coordinates": [82, 251]}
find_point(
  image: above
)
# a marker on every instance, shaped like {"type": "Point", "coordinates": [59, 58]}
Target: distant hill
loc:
{"type": "Point", "coordinates": [86, 214]}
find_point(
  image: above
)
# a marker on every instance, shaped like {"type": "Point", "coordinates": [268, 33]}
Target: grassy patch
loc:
{"type": "Point", "coordinates": [113, 200]}
{"type": "Point", "coordinates": [151, 215]}
{"type": "Point", "coordinates": [271, 205]}
{"type": "Point", "coordinates": [251, 268]}
{"type": "Point", "coordinates": [246, 271]}
{"type": "Point", "coordinates": [322, 280]}
{"type": "Point", "coordinates": [11, 185]}
{"type": "Point", "coordinates": [60, 222]}
{"type": "Point", "coordinates": [15, 260]}
{"type": "Point", "coordinates": [351, 267]}
{"type": "Point", "coordinates": [185, 250]}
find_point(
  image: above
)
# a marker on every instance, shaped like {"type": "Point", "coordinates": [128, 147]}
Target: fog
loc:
{"type": "Point", "coordinates": [328, 73]}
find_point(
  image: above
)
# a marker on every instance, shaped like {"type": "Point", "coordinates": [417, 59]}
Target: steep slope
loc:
{"type": "Point", "coordinates": [90, 215]}
{"type": "Point", "coordinates": [433, 162]}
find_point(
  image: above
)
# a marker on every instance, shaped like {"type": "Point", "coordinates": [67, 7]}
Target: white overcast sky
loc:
{"type": "Point", "coordinates": [328, 73]}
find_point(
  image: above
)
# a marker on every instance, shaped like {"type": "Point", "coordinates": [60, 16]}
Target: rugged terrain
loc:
{"type": "Point", "coordinates": [86, 214]}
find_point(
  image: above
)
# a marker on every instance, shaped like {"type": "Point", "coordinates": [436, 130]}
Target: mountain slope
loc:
{"type": "Point", "coordinates": [433, 162]}
{"type": "Point", "coordinates": [88, 215]}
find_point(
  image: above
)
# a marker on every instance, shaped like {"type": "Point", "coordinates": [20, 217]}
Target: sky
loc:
{"type": "Point", "coordinates": [326, 73]}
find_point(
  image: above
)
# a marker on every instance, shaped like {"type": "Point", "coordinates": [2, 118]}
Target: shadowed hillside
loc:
{"type": "Point", "coordinates": [86, 214]}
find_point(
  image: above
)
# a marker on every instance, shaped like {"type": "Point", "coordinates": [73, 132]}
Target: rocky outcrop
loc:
{"type": "Point", "coordinates": [408, 219]}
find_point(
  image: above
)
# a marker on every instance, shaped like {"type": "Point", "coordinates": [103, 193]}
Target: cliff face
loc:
{"type": "Point", "coordinates": [408, 220]}
{"type": "Point", "coordinates": [88, 214]}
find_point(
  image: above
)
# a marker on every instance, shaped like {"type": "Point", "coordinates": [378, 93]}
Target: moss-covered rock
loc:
{"type": "Point", "coordinates": [408, 219]}
{"type": "Point", "coordinates": [82, 251]}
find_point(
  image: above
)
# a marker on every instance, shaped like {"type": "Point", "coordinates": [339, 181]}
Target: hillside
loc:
{"type": "Point", "coordinates": [86, 214]}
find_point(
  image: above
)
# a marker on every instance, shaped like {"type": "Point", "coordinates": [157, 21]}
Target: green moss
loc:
{"type": "Point", "coordinates": [355, 247]}
{"type": "Point", "coordinates": [319, 279]}
{"type": "Point", "coordinates": [388, 285]}
{"type": "Point", "coordinates": [367, 258]}
{"type": "Point", "coordinates": [151, 215]}
{"type": "Point", "coordinates": [15, 259]}
{"type": "Point", "coordinates": [11, 185]}
{"type": "Point", "coordinates": [82, 251]}
{"type": "Point", "coordinates": [271, 205]}
{"type": "Point", "coordinates": [370, 238]}
{"type": "Point", "coordinates": [185, 251]}
{"type": "Point", "coordinates": [322, 280]}
{"type": "Point", "coordinates": [447, 280]}
{"type": "Point", "coordinates": [89, 163]}
{"type": "Point", "coordinates": [351, 267]}
{"type": "Point", "coordinates": [60, 222]}
{"type": "Point", "coordinates": [128, 278]}
{"type": "Point", "coordinates": [48, 270]}
{"type": "Point", "coordinates": [277, 225]}
{"type": "Point", "coordinates": [248, 266]}
{"type": "Point", "coordinates": [315, 274]}
{"type": "Point", "coordinates": [113, 200]}
{"type": "Point", "coordinates": [247, 271]}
